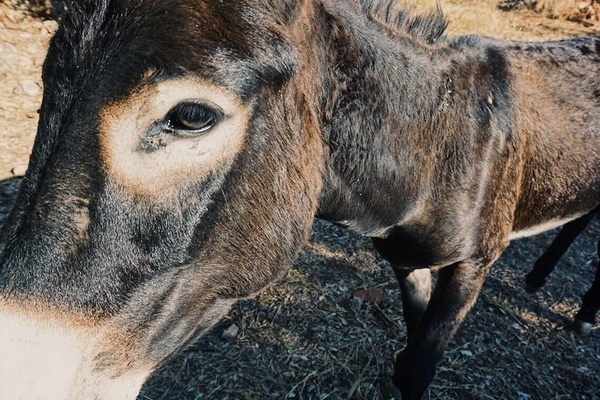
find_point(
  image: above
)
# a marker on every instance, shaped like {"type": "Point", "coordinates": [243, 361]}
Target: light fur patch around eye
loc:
{"type": "Point", "coordinates": [123, 127]}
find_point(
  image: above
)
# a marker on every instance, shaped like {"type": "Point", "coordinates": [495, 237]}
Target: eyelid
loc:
{"type": "Point", "coordinates": [201, 102]}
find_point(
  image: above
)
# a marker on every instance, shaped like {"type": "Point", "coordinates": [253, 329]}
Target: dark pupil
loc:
{"type": "Point", "coordinates": [190, 116]}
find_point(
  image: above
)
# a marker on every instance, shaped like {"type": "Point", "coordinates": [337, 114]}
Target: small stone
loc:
{"type": "Point", "coordinates": [19, 170]}
{"type": "Point", "coordinates": [8, 48]}
{"type": "Point", "coordinates": [27, 87]}
{"type": "Point", "coordinates": [583, 6]}
{"type": "Point", "coordinates": [261, 317]}
{"type": "Point", "coordinates": [231, 332]}
{"type": "Point", "coordinates": [33, 50]}
{"type": "Point", "coordinates": [50, 25]}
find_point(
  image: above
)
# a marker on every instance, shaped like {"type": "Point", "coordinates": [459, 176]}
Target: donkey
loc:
{"type": "Point", "coordinates": [184, 147]}
{"type": "Point", "coordinates": [536, 278]}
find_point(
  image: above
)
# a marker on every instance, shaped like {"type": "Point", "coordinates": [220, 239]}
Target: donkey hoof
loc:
{"type": "Point", "coordinates": [531, 289]}
{"type": "Point", "coordinates": [581, 327]}
{"type": "Point", "coordinates": [391, 392]}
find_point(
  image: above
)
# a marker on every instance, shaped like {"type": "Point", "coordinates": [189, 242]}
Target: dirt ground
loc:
{"type": "Point", "coordinates": [306, 337]}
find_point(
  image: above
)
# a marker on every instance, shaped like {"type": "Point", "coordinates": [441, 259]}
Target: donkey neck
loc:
{"type": "Point", "coordinates": [381, 93]}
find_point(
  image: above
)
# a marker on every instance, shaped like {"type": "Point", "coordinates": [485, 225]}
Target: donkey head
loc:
{"type": "Point", "coordinates": [176, 168]}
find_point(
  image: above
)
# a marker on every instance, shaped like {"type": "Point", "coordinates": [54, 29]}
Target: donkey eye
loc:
{"type": "Point", "coordinates": [189, 118]}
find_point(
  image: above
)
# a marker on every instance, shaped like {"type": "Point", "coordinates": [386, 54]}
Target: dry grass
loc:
{"type": "Point", "coordinates": [478, 17]}
{"type": "Point", "coordinates": [305, 337]}
{"type": "Point", "coordinates": [585, 12]}
{"type": "Point", "coordinates": [483, 17]}
{"type": "Point", "coordinates": [42, 8]}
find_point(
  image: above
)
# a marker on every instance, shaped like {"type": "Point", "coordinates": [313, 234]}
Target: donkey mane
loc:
{"type": "Point", "coordinates": [428, 27]}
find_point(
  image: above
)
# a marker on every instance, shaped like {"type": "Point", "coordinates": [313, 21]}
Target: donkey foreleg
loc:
{"type": "Point", "coordinates": [455, 293]}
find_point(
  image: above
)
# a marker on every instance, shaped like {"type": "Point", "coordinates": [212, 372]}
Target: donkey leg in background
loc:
{"type": "Point", "coordinates": [415, 287]}
{"type": "Point", "coordinates": [546, 263]}
{"type": "Point", "coordinates": [586, 316]}
{"type": "Point", "coordinates": [454, 294]}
